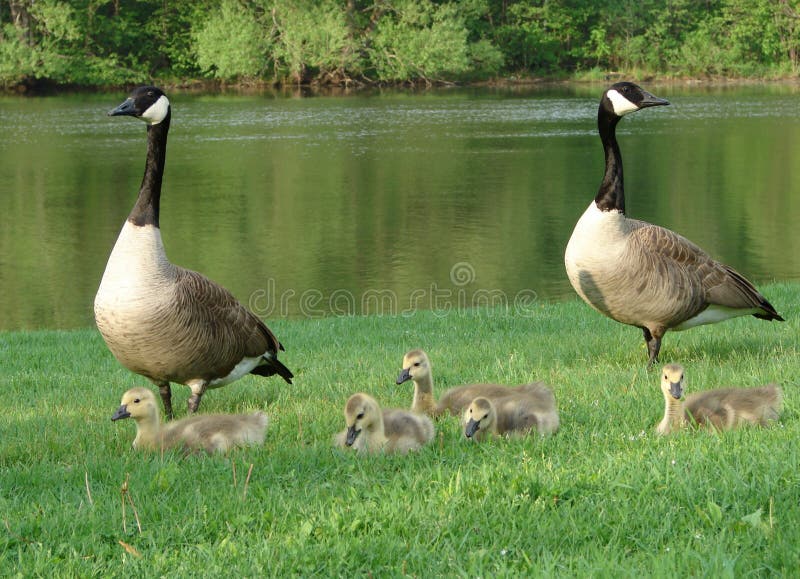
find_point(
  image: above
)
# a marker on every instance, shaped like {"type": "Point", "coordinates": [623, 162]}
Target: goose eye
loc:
{"type": "Point", "coordinates": [417, 364]}
{"type": "Point", "coordinates": [665, 377]}
{"type": "Point", "coordinates": [360, 416]}
{"type": "Point", "coordinates": [136, 401]}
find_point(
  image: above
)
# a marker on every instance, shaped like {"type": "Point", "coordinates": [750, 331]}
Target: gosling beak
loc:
{"type": "Point", "coordinates": [122, 412]}
{"type": "Point", "coordinates": [126, 108]}
{"type": "Point", "coordinates": [676, 389]}
{"type": "Point", "coordinates": [651, 100]}
{"type": "Point", "coordinates": [404, 376]}
{"type": "Point", "coordinates": [352, 434]}
{"type": "Point", "coordinates": [471, 428]}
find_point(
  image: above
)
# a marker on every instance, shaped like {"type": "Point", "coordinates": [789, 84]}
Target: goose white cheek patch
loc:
{"type": "Point", "coordinates": [622, 106]}
{"type": "Point", "coordinates": [157, 111]}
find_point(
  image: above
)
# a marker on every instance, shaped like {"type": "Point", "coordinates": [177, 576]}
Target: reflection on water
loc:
{"type": "Point", "coordinates": [386, 203]}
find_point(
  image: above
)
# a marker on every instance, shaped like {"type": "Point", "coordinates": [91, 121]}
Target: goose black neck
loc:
{"type": "Point", "coordinates": [612, 192]}
{"type": "Point", "coordinates": [146, 210]}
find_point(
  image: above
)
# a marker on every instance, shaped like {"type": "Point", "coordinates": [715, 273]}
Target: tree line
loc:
{"type": "Point", "coordinates": [118, 42]}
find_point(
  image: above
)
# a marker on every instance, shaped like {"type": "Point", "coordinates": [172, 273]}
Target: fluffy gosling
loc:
{"type": "Point", "coordinates": [417, 367]}
{"type": "Point", "coordinates": [209, 432]}
{"type": "Point", "coordinates": [721, 409]}
{"type": "Point", "coordinates": [372, 430]}
{"type": "Point", "coordinates": [515, 414]}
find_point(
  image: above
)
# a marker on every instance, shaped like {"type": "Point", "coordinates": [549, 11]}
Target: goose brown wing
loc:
{"type": "Point", "coordinates": [686, 268]}
{"type": "Point", "coordinates": [211, 315]}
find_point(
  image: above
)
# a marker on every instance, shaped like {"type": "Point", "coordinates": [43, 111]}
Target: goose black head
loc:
{"type": "Point", "coordinates": [626, 97]}
{"type": "Point", "coordinates": [148, 103]}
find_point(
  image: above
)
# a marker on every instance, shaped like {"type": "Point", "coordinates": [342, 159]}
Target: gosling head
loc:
{"type": "Point", "coordinates": [416, 366]}
{"type": "Point", "coordinates": [137, 403]}
{"type": "Point", "coordinates": [360, 413]}
{"type": "Point", "coordinates": [479, 416]}
{"type": "Point", "coordinates": [672, 380]}
{"type": "Point", "coordinates": [625, 97]}
{"type": "Point", "coordinates": [148, 103]}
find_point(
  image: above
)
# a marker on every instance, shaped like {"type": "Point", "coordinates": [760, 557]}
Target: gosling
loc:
{"type": "Point", "coordinates": [210, 433]}
{"type": "Point", "coordinates": [372, 430]}
{"type": "Point", "coordinates": [417, 367]}
{"type": "Point", "coordinates": [512, 415]}
{"type": "Point", "coordinates": [721, 409]}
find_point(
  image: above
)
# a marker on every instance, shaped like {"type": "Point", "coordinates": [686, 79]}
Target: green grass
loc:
{"type": "Point", "coordinates": [603, 497]}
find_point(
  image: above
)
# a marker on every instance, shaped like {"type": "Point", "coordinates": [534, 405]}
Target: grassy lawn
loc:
{"type": "Point", "coordinates": [604, 496]}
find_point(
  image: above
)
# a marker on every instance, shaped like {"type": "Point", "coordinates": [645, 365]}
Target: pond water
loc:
{"type": "Point", "coordinates": [387, 202]}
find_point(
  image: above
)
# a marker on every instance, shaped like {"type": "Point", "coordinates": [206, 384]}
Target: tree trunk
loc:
{"type": "Point", "coordinates": [21, 18]}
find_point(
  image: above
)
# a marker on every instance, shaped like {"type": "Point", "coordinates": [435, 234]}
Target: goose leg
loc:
{"type": "Point", "coordinates": [198, 389]}
{"type": "Point", "coordinates": [166, 398]}
{"type": "Point", "coordinates": [653, 345]}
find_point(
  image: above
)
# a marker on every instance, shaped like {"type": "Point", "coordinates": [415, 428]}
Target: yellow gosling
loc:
{"type": "Point", "coordinates": [721, 409]}
{"type": "Point", "coordinates": [417, 367]}
{"type": "Point", "coordinates": [371, 430]}
{"type": "Point", "coordinates": [210, 432]}
{"type": "Point", "coordinates": [515, 414]}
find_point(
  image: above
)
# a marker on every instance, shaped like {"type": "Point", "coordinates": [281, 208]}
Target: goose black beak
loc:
{"type": "Point", "coordinates": [651, 100]}
{"type": "Point", "coordinates": [122, 412]}
{"type": "Point", "coordinates": [404, 376]}
{"type": "Point", "coordinates": [126, 108]}
{"type": "Point", "coordinates": [352, 434]}
{"type": "Point", "coordinates": [676, 390]}
{"type": "Point", "coordinates": [471, 428]}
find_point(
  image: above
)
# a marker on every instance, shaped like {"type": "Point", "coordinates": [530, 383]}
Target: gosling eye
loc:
{"type": "Point", "coordinates": [417, 364]}
{"type": "Point", "coordinates": [136, 400]}
{"type": "Point", "coordinates": [360, 416]}
{"type": "Point", "coordinates": [666, 377]}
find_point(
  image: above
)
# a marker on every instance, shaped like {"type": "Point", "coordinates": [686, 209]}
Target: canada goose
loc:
{"type": "Point", "coordinates": [516, 413]}
{"type": "Point", "coordinates": [723, 408]}
{"type": "Point", "coordinates": [417, 367]}
{"type": "Point", "coordinates": [642, 274]}
{"type": "Point", "coordinates": [371, 430]}
{"type": "Point", "coordinates": [210, 432]}
{"type": "Point", "coordinates": [160, 320]}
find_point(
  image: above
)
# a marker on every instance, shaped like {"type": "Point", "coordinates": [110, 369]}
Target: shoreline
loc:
{"type": "Point", "coordinates": [210, 86]}
{"type": "Point", "coordinates": [547, 307]}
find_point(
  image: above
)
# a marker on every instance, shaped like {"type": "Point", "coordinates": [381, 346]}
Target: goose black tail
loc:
{"type": "Point", "coordinates": [272, 367]}
{"type": "Point", "coordinates": [770, 313]}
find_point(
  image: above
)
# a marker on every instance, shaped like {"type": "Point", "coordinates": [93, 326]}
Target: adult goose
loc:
{"type": "Point", "coordinates": [642, 274]}
{"type": "Point", "coordinates": [160, 320]}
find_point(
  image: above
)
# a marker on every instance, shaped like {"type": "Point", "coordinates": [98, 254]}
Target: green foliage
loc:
{"type": "Point", "coordinates": [418, 39]}
{"type": "Point", "coordinates": [313, 40]}
{"type": "Point", "coordinates": [301, 41]}
{"type": "Point", "coordinates": [485, 58]}
{"type": "Point", "coordinates": [18, 61]}
{"type": "Point", "coordinates": [603, 497]}
{"type": "Point", "coordinates": [231, 43]}
{"type": "Point", "coordinates": [539, 36]}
